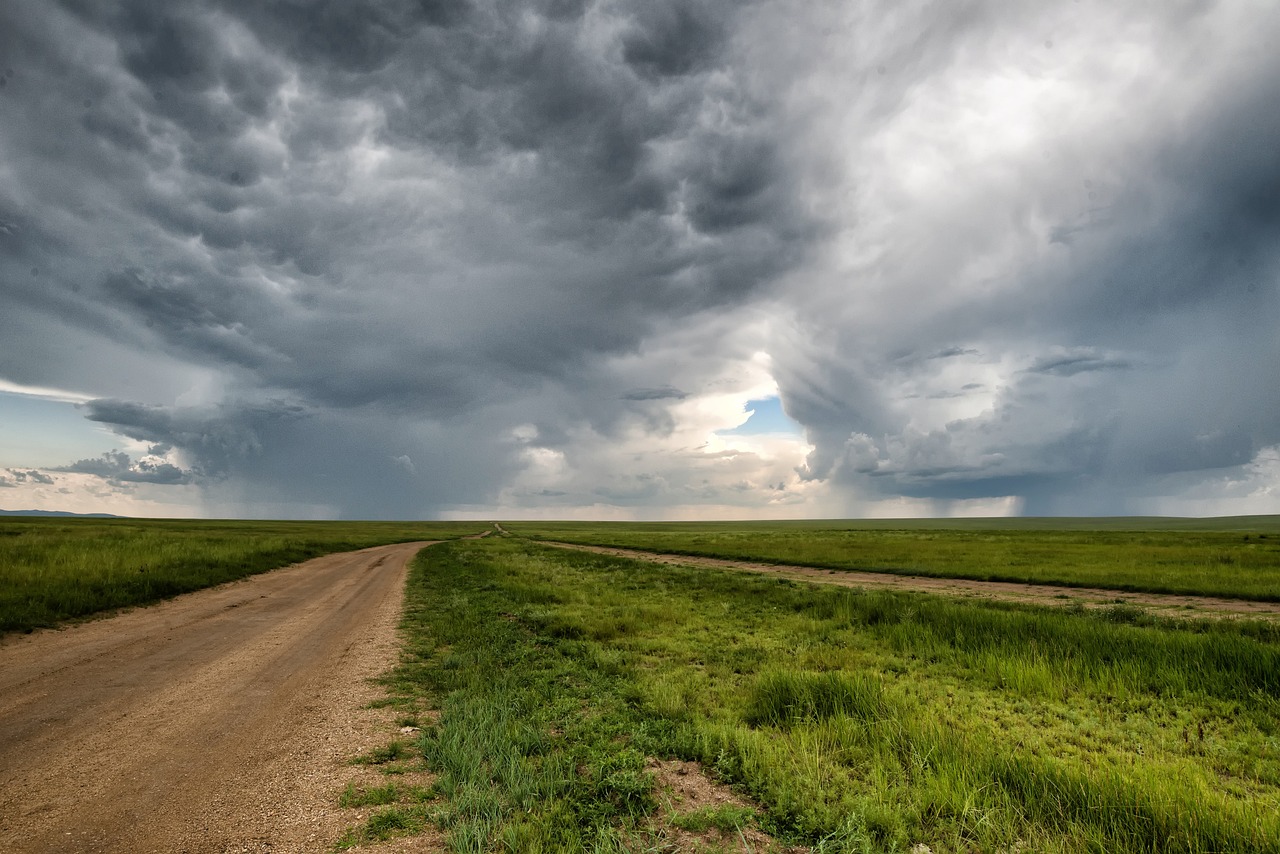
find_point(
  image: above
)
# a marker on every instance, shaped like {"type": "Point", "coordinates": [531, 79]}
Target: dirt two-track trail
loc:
{"type": "Point", "coordinates": [217, 721]}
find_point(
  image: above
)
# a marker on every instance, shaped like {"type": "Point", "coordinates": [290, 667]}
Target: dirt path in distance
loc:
{"type": "Point", "coordinates": [219, 721]}
{"type": "Point", "coordinates": [1166, 605]}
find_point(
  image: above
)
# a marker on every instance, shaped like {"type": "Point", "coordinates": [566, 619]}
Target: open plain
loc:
{"type": "Point", "coordinates": [625, 698]}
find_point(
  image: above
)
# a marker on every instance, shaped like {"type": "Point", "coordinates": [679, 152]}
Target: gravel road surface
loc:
{"type": "Point", "coordinates": [217, 721]}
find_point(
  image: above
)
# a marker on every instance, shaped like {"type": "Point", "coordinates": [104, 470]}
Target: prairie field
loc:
{"type": "Point", "coordinates": [547, 693]}
{"type": "Point", "coordinates": [56, 569]}
{"type": "Point", "coordinates": [1237, 557]}
{"type": "Point", "coordinates": [546, 680]}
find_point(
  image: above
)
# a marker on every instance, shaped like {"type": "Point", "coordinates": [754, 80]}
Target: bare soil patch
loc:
{"type": "Point", "coordinates": [684, 789]}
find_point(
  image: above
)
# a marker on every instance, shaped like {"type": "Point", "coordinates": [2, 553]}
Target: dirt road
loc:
{"type": "Point", "coordinates": [1167, 605]}
{"type": "Point", "coordinates": [218, 721]}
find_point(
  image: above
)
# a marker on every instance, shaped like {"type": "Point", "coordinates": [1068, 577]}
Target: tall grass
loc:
{"type": "Point", "coordinates": [1171, 558]}
{"type": "Point", "coordinates": [1122, 649]}
{"type": "Point", "coordinates": [53, 570]}
{"type": "Point", "coordinates": [783, 698]}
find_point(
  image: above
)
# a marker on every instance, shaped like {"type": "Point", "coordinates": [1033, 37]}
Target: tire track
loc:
{"type": "Point", "coordinates": [1162, 604]}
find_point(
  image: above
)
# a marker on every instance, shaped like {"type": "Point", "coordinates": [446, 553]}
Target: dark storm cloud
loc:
{"type": "Point", "coordinates": [1133, 341]}
{"type": "Point", "coordinates": [673, 38]}
{"type": "Point", "coordinates": [220, 439]}
{"type": "Point", "coordinates": [251, 455]}
{"type": "Point", "coordinates": [344, 256]}
{"type": "Point", "coordinates": [665, 392]}
{"type": "Point", "coordinates": [952, 352]}
{"type": "Point", "coordinates": [1198, 233]}
{"type": "Point", "coordinates": [410, 210]}
{"type": "Point", "coordinates": [1190, 274]}
{"type": "Point", "coordinates": [350, 38]}
{"type": "Point", "coordinates": [116, 467]}
{"type": "Point", "coordinates": [1070, 364]}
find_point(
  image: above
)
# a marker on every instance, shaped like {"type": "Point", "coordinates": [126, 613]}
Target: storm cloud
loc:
{"type": "Point", "coordinates": [400, 259]}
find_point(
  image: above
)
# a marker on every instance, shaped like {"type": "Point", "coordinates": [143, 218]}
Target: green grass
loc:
{"type": "Point", "coordinates": [53, 570]}
{"type": "Point", "coordinates": [392, 752]}
{"type": "Point", "coordinates": [384, 824]}
{"type": "Point", "coordinates": [784, 698]}
{"type": "Point", "coordinates": [378, 796]}
{"type": "Point", "coordinates": [533, 748]}
{"type": "Point", "coordinates": [1237, 557]}
{"type": "Point", "coordinates": [857, 721]}
{"type": "Point", "coordinates": [726, 817]}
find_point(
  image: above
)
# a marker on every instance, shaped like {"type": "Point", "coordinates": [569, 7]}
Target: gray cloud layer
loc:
{"type": "Point", "coordinates": [334, 254]}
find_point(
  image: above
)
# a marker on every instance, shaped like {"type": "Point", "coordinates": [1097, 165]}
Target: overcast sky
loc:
{"type": "Point", "coordinates": [659, 259]}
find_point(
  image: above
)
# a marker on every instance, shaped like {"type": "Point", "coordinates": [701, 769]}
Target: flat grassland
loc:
{"type": "Point", "coordinates": [1236, 557]}
{"type": "Point", "coordinates": [56, 569]}
{"type": "Point", "coordinates": [546, 682]}
{"type": "Point", "coordinates": [855, 721]}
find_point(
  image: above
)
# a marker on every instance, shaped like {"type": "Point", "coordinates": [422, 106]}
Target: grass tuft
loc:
{"type": "Point", "coordinates": [783, 698]}
{"type": "Point", "coordinates": [392, 752]}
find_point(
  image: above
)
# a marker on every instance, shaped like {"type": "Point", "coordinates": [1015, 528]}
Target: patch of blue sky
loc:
{"type": "Point", "coordinates": [767, 418]}
{"type": "Point", "coordinates": [36, 432]}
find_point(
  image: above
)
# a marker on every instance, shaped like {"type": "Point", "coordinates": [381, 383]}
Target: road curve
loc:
{"type": "Point", "coordinates": [182, 727]}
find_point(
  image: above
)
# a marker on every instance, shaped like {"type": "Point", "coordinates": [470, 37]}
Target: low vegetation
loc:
{"type": "Point", "coordinates": [52, 569]}
{"type": "Point", "coordinates": [853, 721]}
{"type": "Point", "coordinates": [551, 687]}
{"type": "Point", "coordinates": [1235, 557]}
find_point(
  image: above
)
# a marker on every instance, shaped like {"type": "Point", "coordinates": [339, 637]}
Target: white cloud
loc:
{"type": "Point", "coordinates": [61, 395]}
